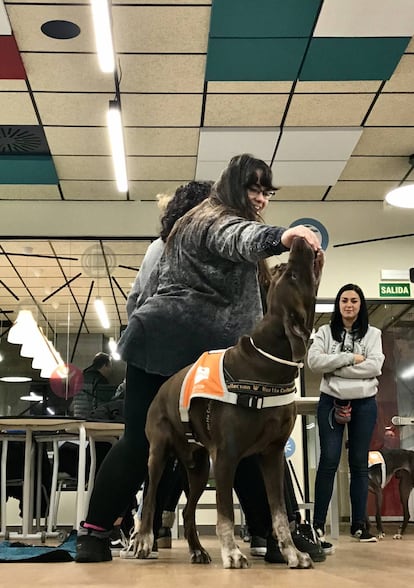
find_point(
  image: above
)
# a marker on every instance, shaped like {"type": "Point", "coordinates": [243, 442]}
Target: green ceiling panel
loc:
{"type": "Point", "coordinates": [245, 60]}
{"type": "Point", "coordinates": [357, 58]}
{"type": "Point", "coordinates": [27, 169]}
{"type": "Point", "coordinates": [263, 18]}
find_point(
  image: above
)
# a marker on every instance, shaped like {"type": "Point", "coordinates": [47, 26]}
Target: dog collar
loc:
{"type": "Point", "coordinates": [274, 358]}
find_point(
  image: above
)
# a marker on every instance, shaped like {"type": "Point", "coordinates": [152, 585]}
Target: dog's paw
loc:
{"type": "Point", "coordinates": [143, 546]}
{"type": "Point", "coordinates": [298, 560]}
{"type": "Point", "coordinates": [398, 536]}
{"type": "Point", "coordinates": [200, 557]}
{"type": "Point", "coordinates": [381, 536]}
{"type": "Point", "coordinates": [234, 559]}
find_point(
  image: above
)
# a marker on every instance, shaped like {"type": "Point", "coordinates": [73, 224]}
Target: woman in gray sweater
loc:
{"type": "Point", "coordinates": [348, 354]}
{"type": "Point", "coordinates": [203, 294]}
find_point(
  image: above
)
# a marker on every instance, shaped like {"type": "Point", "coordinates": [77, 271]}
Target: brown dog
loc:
{"type": "Point", "coordinates": [228, 432]}
{"type": "Point", "coordinates": [398, 463]}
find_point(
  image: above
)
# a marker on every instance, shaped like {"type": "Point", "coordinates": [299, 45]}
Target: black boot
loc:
{"type": "Point", "coordinates": [93, 546]}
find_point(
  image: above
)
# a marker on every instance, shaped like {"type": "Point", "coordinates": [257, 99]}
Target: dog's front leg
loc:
{"type": "Point", "coordinates": [273, 473]}
{"type": "Point", "coordinates": [224, 470]}
{"type": "Point", "coordinates": [144, 540]}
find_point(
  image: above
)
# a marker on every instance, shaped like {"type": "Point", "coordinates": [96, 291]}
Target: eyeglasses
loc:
{"type": "Point", "coordinates": [266, 193]}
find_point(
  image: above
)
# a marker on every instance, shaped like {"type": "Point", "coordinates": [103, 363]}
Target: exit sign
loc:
{"type": "Point", "coordinates": [395, 290]}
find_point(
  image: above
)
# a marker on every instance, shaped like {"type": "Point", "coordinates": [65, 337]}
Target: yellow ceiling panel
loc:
{"type": "Point", "coordinates": [320, 110]}
{"type": "Point", "coordinates": [161, 141]}
{"type": "Point", "coordinates": [375, 168]}
{"type": "Point", "coordinates": [262, 110]}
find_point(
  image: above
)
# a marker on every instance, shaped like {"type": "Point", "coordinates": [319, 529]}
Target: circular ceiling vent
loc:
{"type": "Point", "coordinates": [17, 140]}
{"type": "Point", "coordinates": [94, 263]}
{"type": "Point", "coordinates": [60, 29]}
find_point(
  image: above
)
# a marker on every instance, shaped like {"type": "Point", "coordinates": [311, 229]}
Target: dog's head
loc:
{"type": "Point", "coordinates": [292, 294]}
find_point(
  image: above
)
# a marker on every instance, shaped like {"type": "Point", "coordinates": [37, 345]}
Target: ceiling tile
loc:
{"type": "Point", "coordinates": [307, 173]}
{"type": "Point", "coordinates": [361, 190]}
{"type": "Point", "coordinates": [161, 141]}
{"type": "Point", "coordinates": [375, 168]}
{"type": "Point", "coordinates": [78, 140]}
{"type": "Point", "coordinates": [161, 29]}
{"type": "Point", "coordinates": [73, 109]}
{"type": "Point", "coordinates": [223, 143]}
{"type": "Point", "coordinates": [4, 21]}
{"type": "Point", "coordinates": [26, 21]}
{"type": "Point", "coordinates": [90, 190]}
{"type": "Point", "coordinates": [260, 110]}
{"type": "Point", "coordinates": [27, 169]}
{"type": "Point", "coordinates": [210, 170]}
{"type": "Point", "coordinates": [11, 66]}
{"type": "Point", "coordinates": [254, 59]}
{"type": "Point", "coordinates": [159, 110]}
{"type": "Point", "coordinates": [73, 73]}
{"type": "Point", "coordinates": [161, 168]}
{"type": "Point", "coordinates": [13, 86]}
{"type": "Point", "coordinates": [403, 78]}
{"type": "Point", "coordinates": [297, 193]}
{"type": "Point", "coordinates": [84, 167]}
{"type": "Point", "coordinates": [352, 58]}
{"type": "Point", "coordinates": [317, 143]}
{"type": "Point", "coordinates": [16, 108]}
{"type": "Point", "coordinates": [29, 192]}
{"type": "Point", "coordinates": [393, 110]}
{"type": "Point", "coordinates": [346, 87]}
{"type": "Point", "coordinates": [370, 18]}
{"type": "Point", "coordinates": [385, 141]}
{"type": "Point", "coordinates": [241, 18]}
{"type": "Point", "coordinates": [163, 73]}
{"type": "Point", "coordinates": [319, 110]}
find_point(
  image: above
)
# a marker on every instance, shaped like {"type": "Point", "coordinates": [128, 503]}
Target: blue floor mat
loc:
{"type": "Point", "coordinates": [14, 551]}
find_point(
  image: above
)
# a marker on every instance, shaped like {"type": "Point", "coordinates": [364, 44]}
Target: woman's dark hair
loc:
{"type": "Point", "coordinates": [185, 198]}
{"type": "Point", "coordinates": [100, 360]}
{"type": "Point", "coordinates": [243, 171]}
{"type": "Point", "coordinates": [360, 326]}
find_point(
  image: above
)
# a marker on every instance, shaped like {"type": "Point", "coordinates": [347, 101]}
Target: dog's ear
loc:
{"type": "Point", "coordinates": [297, 333]}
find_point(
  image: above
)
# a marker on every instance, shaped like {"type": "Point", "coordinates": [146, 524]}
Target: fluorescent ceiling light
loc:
{"type": "Point", "coordinates": [15, 379]}
{"type": "Point", "coordinates": [116, 137]}
{"type": "Point", "coordinates": [32, 397]}
{"type": "Point", "coordinates": [103, 35]}
{"type": "Point", "coordinates": [402, 197]}
{"type": "Point", "coordinates": [113, 349]}
{"type": "Point", "coordinates": [407, 373]}
{"type": "Point", "coordinates": [101, 312]}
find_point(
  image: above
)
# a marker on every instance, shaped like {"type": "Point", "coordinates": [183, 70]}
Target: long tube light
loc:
{"type": "Point", "coordinates": [116, 137]}
{"type": "Point", "coordinates": [101, 312]}
{"type": "Point", "coordinates": [103, 35]}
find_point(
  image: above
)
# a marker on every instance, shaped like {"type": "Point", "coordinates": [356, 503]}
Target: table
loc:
{"type": "Point", "coordinates": [91, 431]}
{"type": "Point", "coordinates": [22, 428]}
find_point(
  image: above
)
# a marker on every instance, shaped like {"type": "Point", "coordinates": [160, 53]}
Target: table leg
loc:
{"type": "Point", "coordinates": [52, 504]}
{"type": "Point", "coordinates": [27, 483]}
{"type": "Point", "coordinates": [80, 502]}
{"type": "Point", "coordinates": [4, 449]}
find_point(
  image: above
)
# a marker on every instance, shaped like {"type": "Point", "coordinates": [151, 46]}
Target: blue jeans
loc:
{"type": "Point", "coordinates": [360, 429]}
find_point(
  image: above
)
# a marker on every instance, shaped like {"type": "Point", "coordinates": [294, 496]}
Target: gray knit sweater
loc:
{"type": "Point", "coordinates": [203, 294]}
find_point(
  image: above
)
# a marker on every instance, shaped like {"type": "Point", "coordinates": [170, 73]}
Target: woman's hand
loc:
{"type": "Point", "coordinates": [300, 231]}
{"type": "Point", "coordinates": [358, 358]}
